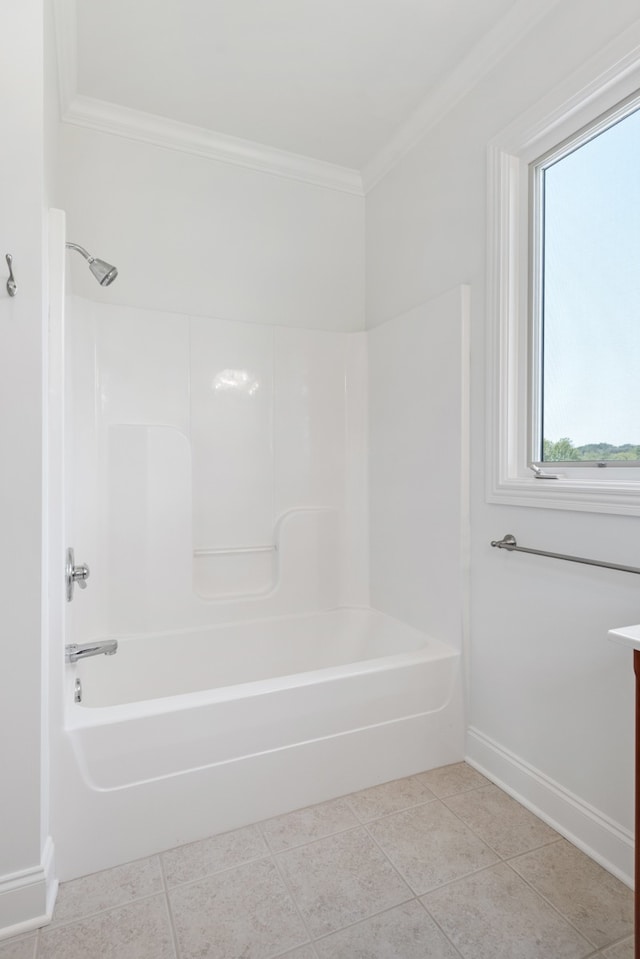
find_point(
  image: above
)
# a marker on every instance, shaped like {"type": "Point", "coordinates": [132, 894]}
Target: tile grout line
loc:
{"type": "Point", "coordinates": [414, 897]}
{"type": "Point", "coordinates": [616, 942]}
{"type": "Point", "coordinates": [438, 926]}
{"type": "Point", "coordinates": [305, 945]}
{"type": "Point", "coordinates": [172, 925]}
{"type": "Point", "coordinates": [365, 825]}
{"type": "Point", "coordinates": [526, 852]}
{"type": "Point", "coordinates": [284, 882]}
{"type": "Point", "coordinates": [290, 952]}
{"type": "Point", "coordinates": [555, 908]}
{"type": "Point", "coordinates": [441, 885]}
{"type": "Point", "coordinates": [241, 865]}
{"type": "Point", "coordinates": [62, 924]}
{"type": "Point", "coordinates": [452, 882]}
{"type": "Point", "coordinates": [394, 812]}
{"type": "Point", "coordinates": [463, 792]}
{"type": "Point", "coordinates": [362, 825]}
{"type": "Point", "coordinates": [382, 912]}
{"type": "Point", "coordinates": [395, 868]}
{"type": "Point", "coordinates": [216, 872]}
{"type": "Point", "coordinates": [308, 842]}
{"type": "Point", "coordinates": [590, 955]}
{"type": "Point", "coordinates": [424, 802]}
{"type": "Point", "coordinates": [486, 842]}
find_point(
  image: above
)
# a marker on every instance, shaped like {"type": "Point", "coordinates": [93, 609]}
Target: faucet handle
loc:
{"type": "Point", "coordinates": [75, 574]}
{"type": "Point", "coordinates": [81, 575]}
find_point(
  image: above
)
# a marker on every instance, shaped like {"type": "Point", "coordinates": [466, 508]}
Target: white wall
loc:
{"type": "Point", "coordinates": [551, 706]}
{"type": "Point", "coordinates": [194, 236]}
{"type": "Point", "coordinates": [24, 852]}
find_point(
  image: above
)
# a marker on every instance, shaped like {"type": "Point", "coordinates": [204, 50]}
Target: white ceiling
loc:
{"type": "Point", "coordinates": [328, 79]}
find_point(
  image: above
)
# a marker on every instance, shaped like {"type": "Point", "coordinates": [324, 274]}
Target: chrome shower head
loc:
{"type": "Point", "coordinates": [104, 273]}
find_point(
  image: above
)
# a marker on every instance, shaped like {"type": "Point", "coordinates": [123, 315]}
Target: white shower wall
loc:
{"type": "Point", "coordinates": [418, 465]}
{"type": "Point", "coordinates": [196, 445]}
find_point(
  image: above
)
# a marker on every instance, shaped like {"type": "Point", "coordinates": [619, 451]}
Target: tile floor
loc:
{"type": "Point", "coordinates": [442, 865]}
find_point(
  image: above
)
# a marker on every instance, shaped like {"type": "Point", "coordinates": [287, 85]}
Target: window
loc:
{"type": "Point", "coordinates": [563, 296]}
{"type": "Point", "coordinates": [585, 308]}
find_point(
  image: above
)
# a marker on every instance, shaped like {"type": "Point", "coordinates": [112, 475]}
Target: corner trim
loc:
{"type": "Point", "coordinates": [27, 897]}
{"type": "Point", "coordinates": [604, 840]}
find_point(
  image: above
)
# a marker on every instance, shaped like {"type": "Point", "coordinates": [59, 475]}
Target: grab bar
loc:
{"type": "Point", "coordinates": [508, 542]}
{"type": "Point", "coordinates": [225, 550]}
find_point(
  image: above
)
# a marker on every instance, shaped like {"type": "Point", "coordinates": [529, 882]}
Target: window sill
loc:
{"type": "Point", "coordinates": [593, 496]}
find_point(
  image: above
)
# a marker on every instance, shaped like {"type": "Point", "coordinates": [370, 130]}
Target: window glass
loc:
{"type": "Point", "coordinates": [590, 299]}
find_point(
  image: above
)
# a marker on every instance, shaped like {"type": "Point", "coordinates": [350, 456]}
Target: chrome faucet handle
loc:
{"type": "Point", "coordinates": [75, 574]}
{"type": "Point", "coordinates": [81, 575]}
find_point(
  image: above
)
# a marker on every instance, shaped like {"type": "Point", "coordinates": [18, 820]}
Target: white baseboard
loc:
{"type": "Point", "coordinates": [590, 830]}
{"type": "Point", "coordinates": [27, 897]}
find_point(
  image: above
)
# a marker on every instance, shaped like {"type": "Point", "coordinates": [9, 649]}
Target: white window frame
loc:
{"type": "Point", "coordinates": [597, 88]}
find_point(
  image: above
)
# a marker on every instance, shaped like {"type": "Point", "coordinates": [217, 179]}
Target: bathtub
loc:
{"type": "Point", "coordinates": [184, 735]}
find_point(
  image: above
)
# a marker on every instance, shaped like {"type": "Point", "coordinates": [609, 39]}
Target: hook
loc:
{"type": "Point", "coordinates": [11, 283]}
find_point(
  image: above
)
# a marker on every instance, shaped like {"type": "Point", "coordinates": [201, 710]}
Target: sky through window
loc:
{"type": "Point", "coordinates": [591, 300]}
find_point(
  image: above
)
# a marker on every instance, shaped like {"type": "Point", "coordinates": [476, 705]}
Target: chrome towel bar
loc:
{"type": "Point", "coordinates": [509, 542]}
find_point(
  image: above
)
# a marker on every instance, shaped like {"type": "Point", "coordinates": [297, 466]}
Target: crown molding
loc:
{"type": "Point", "coordinates": [469, 72]}
{"type": "Point", "coordinates": [198, 141]}
{"type": "Point", "coordinates": [173, 135]}
{"type": "Point", "coordinates": [122, 121]}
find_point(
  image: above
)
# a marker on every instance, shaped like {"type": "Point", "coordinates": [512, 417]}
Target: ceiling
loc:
{"type": "Point", "coordinates": [333, 81]}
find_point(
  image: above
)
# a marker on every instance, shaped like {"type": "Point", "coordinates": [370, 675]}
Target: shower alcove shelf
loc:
{"type": "Point", "coordinates": [630, 636]}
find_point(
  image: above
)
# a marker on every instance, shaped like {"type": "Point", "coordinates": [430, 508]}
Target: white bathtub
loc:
{"type": "Point", "coordinates": [180, 736]}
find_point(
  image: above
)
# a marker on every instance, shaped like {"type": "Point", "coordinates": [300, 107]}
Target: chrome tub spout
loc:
{"type": "Point", "coordinates": [73, 652]}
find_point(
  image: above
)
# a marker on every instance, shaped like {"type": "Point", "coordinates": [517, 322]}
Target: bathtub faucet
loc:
{"type": "Point", "coordinates": [73, 652]}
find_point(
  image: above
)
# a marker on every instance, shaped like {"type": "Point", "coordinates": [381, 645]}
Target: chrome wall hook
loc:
{"type": "Point", "coordinates": [11, 283]}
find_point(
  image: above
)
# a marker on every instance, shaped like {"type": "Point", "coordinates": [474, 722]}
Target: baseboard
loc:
{"type": "Point", "coordinates": [599, 837]}
{"type": "Point", "coordinates": [27, 897]}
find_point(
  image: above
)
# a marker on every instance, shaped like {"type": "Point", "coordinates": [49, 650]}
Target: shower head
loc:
{"type": "Point", "coordinates": [104, 273]}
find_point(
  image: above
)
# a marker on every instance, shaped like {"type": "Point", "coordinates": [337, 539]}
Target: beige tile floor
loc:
{"type": "Point", "coordinates": [442, 865]}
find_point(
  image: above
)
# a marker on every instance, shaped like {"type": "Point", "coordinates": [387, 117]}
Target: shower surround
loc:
{"type": "Point", "coordinates": [198, 449]}
{"type": "Point", "coordinates": [216, 484]}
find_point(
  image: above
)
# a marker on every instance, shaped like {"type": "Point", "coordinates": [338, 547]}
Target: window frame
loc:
{"type": "Point", "coordinates": [536, 213]}
{"type": "Point", "coordinates": [608, 86]}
